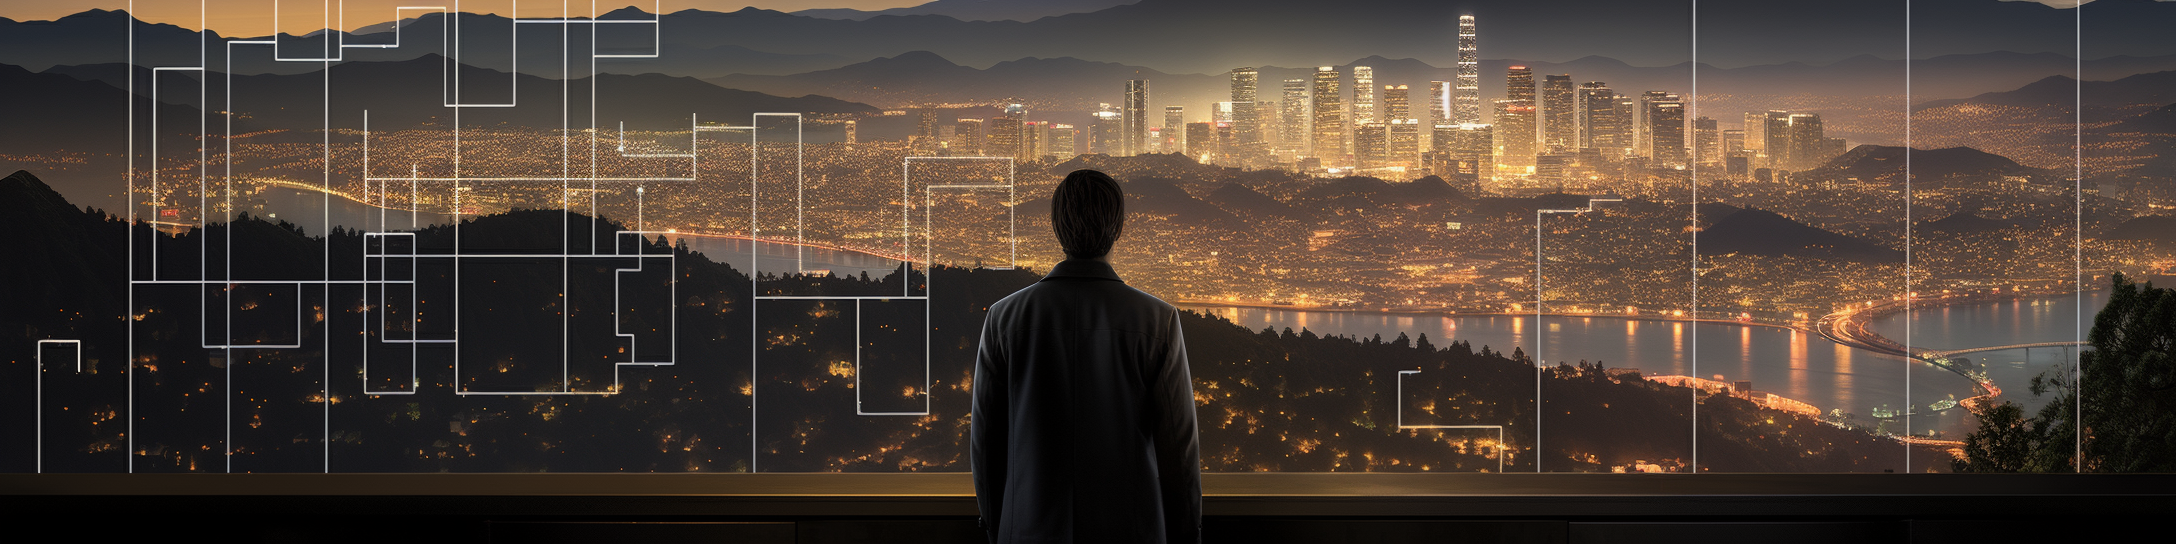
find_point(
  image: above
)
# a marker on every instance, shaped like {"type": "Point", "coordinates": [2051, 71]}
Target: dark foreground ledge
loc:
{"type": "Point", "coordinates": [1240, 507]}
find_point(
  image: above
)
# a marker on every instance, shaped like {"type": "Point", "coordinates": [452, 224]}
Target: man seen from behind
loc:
{"type": "Point", "coordinates": [1083, 418]}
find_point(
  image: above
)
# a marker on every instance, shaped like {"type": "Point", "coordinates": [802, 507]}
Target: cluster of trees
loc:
{"type": "Point", "coordinates": [2116, 413]}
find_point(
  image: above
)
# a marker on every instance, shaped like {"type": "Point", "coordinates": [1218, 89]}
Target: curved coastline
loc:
{"type": "Point", "coordinates": [1853, 328]}
{"type": "Point", "coordinates": [1190, 303]}
{"type": "Point", "coordinates": [1976, 387]}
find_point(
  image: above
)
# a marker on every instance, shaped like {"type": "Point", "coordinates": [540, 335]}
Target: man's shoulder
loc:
{"type": "Point", "coordinates": [1111, 291]}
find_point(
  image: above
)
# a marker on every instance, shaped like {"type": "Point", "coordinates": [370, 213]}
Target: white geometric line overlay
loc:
{"type": "Point", "coordinates": [1501, 446]}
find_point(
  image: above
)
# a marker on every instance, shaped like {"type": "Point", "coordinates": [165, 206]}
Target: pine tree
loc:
{"type": "Point", "coordinates": [2125, 393]}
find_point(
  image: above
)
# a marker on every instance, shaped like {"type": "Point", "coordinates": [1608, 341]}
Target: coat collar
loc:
{"type": "Point", "coordinates": [1077, 269]}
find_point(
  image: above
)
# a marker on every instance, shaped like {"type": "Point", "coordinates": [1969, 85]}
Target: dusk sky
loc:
{"type": "Point", "coordinates": [235, 18]}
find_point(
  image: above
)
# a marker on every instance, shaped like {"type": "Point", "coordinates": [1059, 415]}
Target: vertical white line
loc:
{"type": "Point", "coordinates": [929, 290]}
{"type": "Point", "coordinates": [39, 442]}
{"type": "Point", "coordinates": [128, 370]}
{"type": "Point", "coordinates": [227, 444]}
{"type": "Point", "coordinates": [1696, 240]}
{"type": "Point", "coordinates": [800, 199]}
{"type": "Point", "coordinates": [1537, 340]}
{"type": "Point", "coordinates": [1012, 209]}
{"type": "Point", "coordinates": [453, 20]}
{"type": "Point", "coordinates": [156, 202]}
{"type": "Point", "coordinates": [695, 140]}
{"type": "Point", "coordinates": [906, 236]}
{"type": "Point", "coordinates": [1908, 317]}
{"type": "Point", "coordinates": [365, 270]}
{"type": "Point", "coordinates": [203, 79]}
{"type": "Point", "coordinates": [754, 287]}
{"type": "Point", "coordinates": [858, 389]}
{"type": "Point", "coordinates": [415, 291]}
{"type": "Point", "coordinates": [929, 251]}
{"type": "Point", "coordinates": [325, 270]}
{"type": "Point", "coordinates": [566, 171]}
{"type": "Point", "coordinates": [2077, 242]}
{"type": "Point", "coordinates": [203, 189]}
{"type": "Point", "coordinates": [591, 235]}
{"type": "Point", "coordinates": [672, 287]}
{"type": "Point", "coordinates": [513, 52]}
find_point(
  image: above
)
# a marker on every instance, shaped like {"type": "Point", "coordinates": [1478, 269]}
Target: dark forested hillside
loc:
{"type": "Point", "coordinates": [637, 373]}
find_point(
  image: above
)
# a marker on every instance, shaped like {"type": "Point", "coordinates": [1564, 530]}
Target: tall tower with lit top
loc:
{"type": "Point", "coordinates": [1466, 108]}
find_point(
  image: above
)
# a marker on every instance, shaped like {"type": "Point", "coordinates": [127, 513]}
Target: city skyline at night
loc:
{"type": "Point", "coordinates": [1734, 258]}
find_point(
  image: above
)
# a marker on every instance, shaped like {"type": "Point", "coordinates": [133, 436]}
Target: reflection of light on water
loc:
{"type": "Point", "coordinates": [1784, 360]}
{"type": "Point", "coordinates": [1745, 350]}
{"type": "Point", "coordinates": [1677, 343]}
{"type": "Point", "coordinates": [1798, 365]}
{"type": "Point", "coordinates": [1844, 395]}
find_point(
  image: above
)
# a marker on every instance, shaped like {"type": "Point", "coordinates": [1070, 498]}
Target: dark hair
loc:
{"type": "Point", "coordinates": [1088, 211]}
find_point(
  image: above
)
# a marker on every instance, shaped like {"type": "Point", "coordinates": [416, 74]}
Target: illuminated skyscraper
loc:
{"type": "Point", "coordinates": [1756, 133]}
{"type": "Point", "coordinates": [1439, 110]}
{"type": "Point", "coordinates": [1666, 130]}
{"type": "Point", "coordinates": [1224, 144]}
{"type": "Point", "coordinates": [1063, 142]}
{"type": "Point", "coordinates": [1201, 141]}
{"type": "Point", "coordinates": [1329, 118]}
{"type": "Point", "coordinates": [966, 137]}
{"type": "Point", "coordinates": [1136, 120]}
{"type": "Point", "coordinates": [1776, 138]}
{"type": "Point", "coordinates": [1004, 131]}
{"type": "Point", "coordinates": [1246, 118]}
{"type": "Point", "coordinates": [1371, 145]}
{"type": "Point", "coordinates": [1643, 143]}
{"type": "Point", "coordinates": [1403, 133]}
{"type": "Point", "coordinates": [1737, 163]}
{"type": "Point", "coordinates": [1174, 137]}
{"type": "Point", "coordinates": [1397, 102]}
{"type": "Point", "coordinates": [1628, 127]}
{"type": "Point", "coordinates": [1559, 125]}
{"type": "Point", "coordinates": [1516, 119]}
{"type": "Point", "coordinates": [1034, 140]}
{"type": "Point", "coordinates": [924, 141]}
{"type": "Point", "coordinates": [1292, 136]}
{"type": "Point", "coordinates": [1464, 150]}
{"type": "Point", "coordinates": [1519, 88]}
{"type": "Point", "coordinates": [1515, 132]}
{"type": "Point", "coordinates": [1519, 83]}
{"type": "Point", "coordinates": [1599, 126]}
{"type": "Point", "coordinates": [1103, 136]}
{"type": "Point", "coordinates": [1707, 143]}
{"type": "Point", "coordinates": [1467, 109]}
{"type": "Point", "coordinates": [1363, 95]}
{"type": "Point", "coordinates": [1440, 95]}
{"type": "Point", "coordinates": [1807, 142]}
{"type": "Point", "coordinates": [1404, 143]}
{"type": "Point", "coordinates": [1734, 154]}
